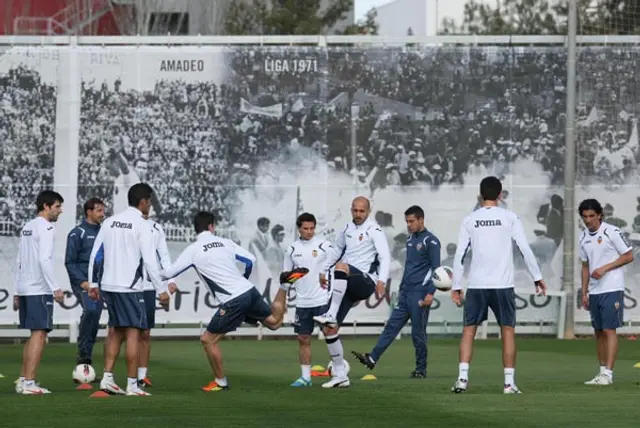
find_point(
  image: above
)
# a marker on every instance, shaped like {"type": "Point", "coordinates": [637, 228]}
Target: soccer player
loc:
{"type": "Point", "coordinates": [415, 297]}
{"type": "Point", "coordinates": [362, 261]}
{"type": "Point", "coordinates": [489, 232]}
{"type": "Point", "coordinates": [126, 242]}
{"type": "Point", "coordinates": [36, 287]}
{"type": "Point", "coordinates": [603, 251]}
{"type": "Point", "coordinates": [308, 251]}
{"type": "Point", "coordinates": [79, 245]}
{"type": "Point", "coordinates": [214, 259]}
{"type": "Point", "coordinates": [149, 293]}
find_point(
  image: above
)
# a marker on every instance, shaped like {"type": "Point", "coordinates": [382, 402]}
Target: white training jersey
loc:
{"type": "Point", "coordinates": [602, 247]}
{"type": "Point", "coordinates": [121, 188]}
{"type": "Point", "coordinates": [128, 248]}
{"type": "Point", "coordinates": [363, 246]}
{"type": "Point", "coordinates": [161, 250]}
{"type": "Point", "coordinates": [34, 273]}
{"type": "Point", "coordinates": [489, 232]}
{"type": "Point", "coordinates": [310, 254]}
{"type": "Point", "coordinates": [215, 261]}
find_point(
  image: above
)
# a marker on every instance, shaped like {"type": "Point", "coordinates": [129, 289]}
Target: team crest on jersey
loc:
{"type": "Point", "coordinates": [599, 240]}
{"type": "Point", "coordinates": [314, 253]}
{"type": "Point", "coordinates": [222, 312]}
{"type": "Point", "coordinates": [419, 247]}
{"type": "Point", "coordinates": [361, 237]}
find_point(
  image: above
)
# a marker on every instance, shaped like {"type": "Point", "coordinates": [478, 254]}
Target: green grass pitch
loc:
{"type": "Point", "coordinates": [549, 372]}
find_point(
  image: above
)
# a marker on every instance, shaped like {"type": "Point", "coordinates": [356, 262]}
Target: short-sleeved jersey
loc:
{"type": "Point", "coordinates": [363, 246]}
{"type": "Point", "coordinates": [127, 244]}
{"type": "Point", "coordinates": [310, 254]}
{"type": "Point", "coordinates": [34, 273]}
{"type": "Point", "coordinates": [161, 250]}
{"type": "Point", "coordinates": [489, 233]}
{"type": "Point", "coordinates": [215, 261]}
{"type": "Point", "coordinates": [600, 248]}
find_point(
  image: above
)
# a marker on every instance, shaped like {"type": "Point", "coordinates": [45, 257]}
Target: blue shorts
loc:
{"type": "Point", "coordinates": [304, 324]}
{"type": "Point", "coordinates": [607, 310]}
{"type": "Point", "coordinates": [231, 314]}
{"type": "Point", "coordinates": [502, 302]}
{"type": "Point", "coordinates": [359, 287]}
{"type": "Point", "coordinates": [36, 312]}
{"type": "Point", "coordinates": [126, 310]}
{"type": "Point", "coordinates": [150, 306]}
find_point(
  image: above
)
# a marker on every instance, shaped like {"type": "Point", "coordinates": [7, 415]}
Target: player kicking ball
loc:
{"type": "Point", "coordinates": [364, 251]}
{"type": "Point", "coordinates": [489, 232]}
{"type": "Point", "coordinates": [214, 259]}
{"type": "Point", "coordinates": [604, 251]}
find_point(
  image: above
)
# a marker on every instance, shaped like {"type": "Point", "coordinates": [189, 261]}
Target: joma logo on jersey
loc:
{"type": "Point", "coordinates": [121, 225]}
{"type": "Point", "coordinates": [487, 223]}
{"type": "Point", "coordinates": [27, 232]}
{"type": "Point", "coordinates": [207, 247]}
{"type": "Point", "coordinates": [297, 255]}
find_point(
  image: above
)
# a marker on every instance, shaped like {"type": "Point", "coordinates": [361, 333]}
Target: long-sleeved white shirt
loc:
{"type": "Point", "coordinates": [310, 254]}
{"type": "Point", "coordinates": [161, 251]}
{"type": "Point", "coordinates": [363, 246]}
{"type": "Point", "coordinates": [600, 248]}
{"type": "Point", "coordinates": [34, 274]}
{"type": "Point", "coordinates": [127, 242]}
{"type": "Point", "coordinates": [489, 232]}
{"type": "Point", "coordinates": [215, 260]}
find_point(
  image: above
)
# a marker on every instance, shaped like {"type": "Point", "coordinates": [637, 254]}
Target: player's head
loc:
{"type": "Point", "coordinates": [204, 221]}
{"type": "Point", "coordinates": [139, 197]}
{"type": "Point", "coordinates": [306, 223]}
{"type": "Point", "coordinates": [94, 210]}
{"type": "Point", "coordinates": [591, 212]}
{"type": "Point", "coordinates": [414, 216]}
{"type": "Point", "coordinates": [49, 204]}
{"type": "Point", "coordinates": [360, 209]}
{"type": "Point", "coordinates": [490, 189]}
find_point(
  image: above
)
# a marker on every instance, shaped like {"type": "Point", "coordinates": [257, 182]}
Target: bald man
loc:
{"type": "Point", "coordinates": [362, 261]}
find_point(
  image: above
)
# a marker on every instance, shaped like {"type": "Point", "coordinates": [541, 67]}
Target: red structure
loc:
{"type": "Point", "coordinates": [64, 17]}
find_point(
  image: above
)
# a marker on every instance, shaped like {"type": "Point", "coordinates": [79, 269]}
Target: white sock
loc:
{"type": "Point", "coordinates": [108, 376]}
{"type": "Point", "coordinates": [338, 288]}
{"type": "Point", "coordinates": [608, 373]}
{"type": "Point", "coordinates": [21, 379]}
{"type": "Point", "coordinates": [221, 381]}
{"type": "Point", "coordinates": [463, 371]}
{"type": "Point", "coordinates": [602, 369]}
{"type": "Point", "coordinates": [306, 372]}
{"type": "Point", "coordinates": [132, 383]}
{"type": "Point", "coordinates": [142, 372]}
{"type": "Point", "coordinates": [509, 374]}
{"type": "Point", "coordinates": [337, 355]}
{"type": "Point", "coordinates": [29, 383]}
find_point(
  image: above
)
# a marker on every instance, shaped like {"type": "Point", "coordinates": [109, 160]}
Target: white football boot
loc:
{"type": "Point", "coordinates": [460, 386]}
{"type": "Point", "coordinates": [511, 389]}
{"type": "Point", "coordinates": [326, 320]}
{"type": "Point", "coordinates": [111, 387]}
{"type": "Point", "coordinates": [136, 391]}
{"type": "Point", "coordinates": [600, 379]}
{"type": "Point", "coordinates": [337, 382]}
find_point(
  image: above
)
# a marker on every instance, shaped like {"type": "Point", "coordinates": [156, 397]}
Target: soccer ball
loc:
{"type": "Point", "coordinates": [84, 373]}
{"type": "Point", "coordinates": [346, 366]}
{"type": "Point", "coordinates": [443, 278]}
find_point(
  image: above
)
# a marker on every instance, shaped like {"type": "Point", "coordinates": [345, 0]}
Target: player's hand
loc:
{"type": "Point", "coordinates": [381, 288]}
{"type": "Point", "coordinates": [456, 296]}
{"type": "Point", "coordinates": [323, 281]}
{"type": "Point", "coordinates": [94, 293]}
{"type": "Point", "coordinates": [84, 285]}
{"type": "Point", "coordinates": [173, 287]}
{"type": "Point", "coordinates": [164, 300]}
{"type": "Point", "coordinates": [16, 303]}
{"type": "Point", "coordinates": [599, 273]}
{"type": "Point", "coordinates": [58, 295]}
{"type": "Point", "coordinates": [541, 287]}
{"type": "Point", "coordinates": [426, 302]}
{"type": "Point", "coordinates": [585, 300]}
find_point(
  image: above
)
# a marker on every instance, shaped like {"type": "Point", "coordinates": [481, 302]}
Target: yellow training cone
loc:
{"type": "Point", "coordinates": [369, 377]}
{"type": "Point", "coordinates": [317, 368]}
{"type": "Point", "coordinates": [636, 365]}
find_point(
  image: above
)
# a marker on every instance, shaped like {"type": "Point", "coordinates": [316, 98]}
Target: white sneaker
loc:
{"type": "Point", "coordinates": [110, 387]}
{"type": "Point", "coordinates": [326, 319]}
{"type": "Point", "coordinates": [337, 382]}
{"type": "Point", "coordinates": [34, 390]}
{"type": "Point", "coordinates": [511, 389]}
{"type": "Point", "coordinates": [19, 386]}
{"type": "Point", "coordinates": [601, 379]}
{"type": "Point", "coordinates": [459, 386]}
{"type": "Point", "coordinates": [136, 391]}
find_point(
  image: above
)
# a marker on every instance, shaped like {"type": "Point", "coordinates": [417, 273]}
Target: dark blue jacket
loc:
{"type": "Point", "coordinates": [423, 257]}
{"type": "Point", "coordinates": [79, 245]}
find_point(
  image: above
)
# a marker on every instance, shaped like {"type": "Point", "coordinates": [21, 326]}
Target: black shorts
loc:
{"type": "Point", "coordinates": [126, 310]}
{"type": "Point", "coordinates": [359, 287]}
{"type": "Point", "coordinates": [304, 323]}
{"type": "Point", "coordinates": [231, 314]}
{"type": "Point", "coordinates": [501, 301]}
